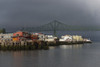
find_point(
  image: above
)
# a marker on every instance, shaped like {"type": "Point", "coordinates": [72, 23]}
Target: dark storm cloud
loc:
{"type": "Point", "coordinates": [18, 13]}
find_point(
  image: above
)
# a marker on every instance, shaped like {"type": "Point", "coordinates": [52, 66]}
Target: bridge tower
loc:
{"type": "Point", "coordinates": [54, 25]}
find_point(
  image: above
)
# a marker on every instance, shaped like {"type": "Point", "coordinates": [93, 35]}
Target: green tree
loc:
{"type": "Point", "coordinates": [3, 30]}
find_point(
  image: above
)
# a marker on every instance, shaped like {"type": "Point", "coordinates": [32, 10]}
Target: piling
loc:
{"type": "Point", "coordinates": [23, 45]}
{"type": "Point", "coordinates": [33, 45]}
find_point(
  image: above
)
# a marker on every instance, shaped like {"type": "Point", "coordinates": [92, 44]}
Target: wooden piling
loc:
{"type": "Point", "coordinates": [31, 45]}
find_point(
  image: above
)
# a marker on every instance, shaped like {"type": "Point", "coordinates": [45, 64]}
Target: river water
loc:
{"type": "Point", "coordinates": [78, 55]}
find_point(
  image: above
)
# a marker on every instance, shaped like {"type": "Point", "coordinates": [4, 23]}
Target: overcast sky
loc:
{"type": "Point", "coordinates": [18, 13]}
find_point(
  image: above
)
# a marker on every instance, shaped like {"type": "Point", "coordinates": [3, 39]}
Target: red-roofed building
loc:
{"type": "Point", "coordinates": [21, 36]}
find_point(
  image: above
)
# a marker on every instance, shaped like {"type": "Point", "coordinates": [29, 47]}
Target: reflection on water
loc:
{"type": "Point", "coordinates": [76, 46]}
{"type": "Point", "coordinates": [79, 55]}
{"type": "Point", "coordinates": [52, 47]}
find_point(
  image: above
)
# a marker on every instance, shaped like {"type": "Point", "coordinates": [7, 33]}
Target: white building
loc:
{"type": "Point", "coordinates": [41, 37]}
{"type": "Point", "coordinates": [50, 38]}
{"type": "Point", "coordinates": [6, 37]}
{"type": "Point", "coordinates": [66, 38]}
{"type": "Point", "coordinates": [87, 40]}
{"type": "Point", "coordinates": [77, 38]}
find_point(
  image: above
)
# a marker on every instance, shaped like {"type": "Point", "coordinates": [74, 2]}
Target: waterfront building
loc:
{"type": "Point", "coordinates": [50, 38]}
{"type": "Point", "coordinates": [6, 37]}
{"type": "Point", "coordinates": [86, 40]}
{"type": "Point", "coordinates": [66, 38]}
{"type": "Point", "coordinates": [77, 38]}
{"type": "Point", "coordinates": [41, 36]}
{"type": "Point", "coordinates": [21, 36]}
{"type": "Point", "coordinates": [34, 37]}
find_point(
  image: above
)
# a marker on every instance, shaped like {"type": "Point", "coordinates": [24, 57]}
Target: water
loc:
{"type": "Point", "coordinates": [79, 55]}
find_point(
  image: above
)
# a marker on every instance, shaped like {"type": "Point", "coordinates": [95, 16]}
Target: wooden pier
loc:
{"type": "Point", "coordinates": [23, 45]}
{"type": "Point", "coordinates": [66, 43]}
{"type": "Point", "coordinates": [32, 45]}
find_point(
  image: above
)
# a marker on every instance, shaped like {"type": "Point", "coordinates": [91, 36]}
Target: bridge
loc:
{"type": "Point", "coordinates": [52, 26]}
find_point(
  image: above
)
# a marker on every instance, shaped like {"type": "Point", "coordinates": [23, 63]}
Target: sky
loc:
{"type": "Point", "coordinates": [15, 14]}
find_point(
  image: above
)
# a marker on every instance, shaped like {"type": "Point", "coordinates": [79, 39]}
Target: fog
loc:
{"type": "Point", "coordinates": [15, 14]}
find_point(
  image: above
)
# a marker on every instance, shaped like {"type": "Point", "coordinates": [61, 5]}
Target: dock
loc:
{"type": "Point", "coordinates": [23, 45]}
{"type": "Point", "coordinates": [33, 45]}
